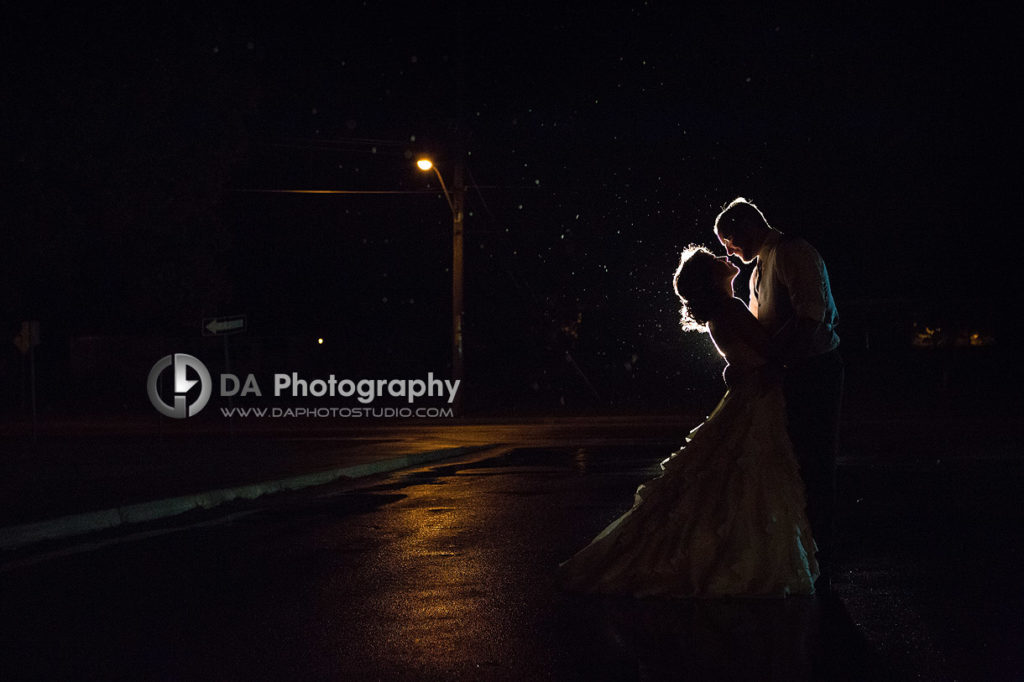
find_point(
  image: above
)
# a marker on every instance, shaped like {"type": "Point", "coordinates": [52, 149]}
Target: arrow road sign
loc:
{"type": "Point", "coordinates": [219, 326]}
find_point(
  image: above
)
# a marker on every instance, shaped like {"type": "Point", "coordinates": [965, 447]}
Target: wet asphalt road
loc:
{"type": "Point", "coordinates": [447, 572]}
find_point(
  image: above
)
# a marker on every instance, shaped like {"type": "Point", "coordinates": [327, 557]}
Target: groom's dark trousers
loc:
{"type": "Point", "coordinates": [814, 390]}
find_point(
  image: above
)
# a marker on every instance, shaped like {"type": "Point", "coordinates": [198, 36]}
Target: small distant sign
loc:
{"type": "Point", "coordinates": [220, 326]}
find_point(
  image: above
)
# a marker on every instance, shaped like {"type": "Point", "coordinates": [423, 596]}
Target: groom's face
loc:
{"type": "Point", "coordinates": [737, 243]}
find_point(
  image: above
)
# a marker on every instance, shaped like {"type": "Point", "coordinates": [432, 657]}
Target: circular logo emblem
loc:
{"type": "Point", "coordinates": [182, 385]}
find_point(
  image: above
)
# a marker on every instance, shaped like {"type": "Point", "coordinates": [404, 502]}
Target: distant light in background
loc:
{"type": "Point", "coordinates": [320, 341]}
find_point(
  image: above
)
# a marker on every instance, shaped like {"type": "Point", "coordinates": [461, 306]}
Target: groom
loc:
{"type": "Point", "coordinates": [791, 297]}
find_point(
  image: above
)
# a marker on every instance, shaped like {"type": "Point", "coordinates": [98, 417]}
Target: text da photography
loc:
{"type": "Point", "coordinates": [364, 390]}
{"type": "Point", "coordinates": [180, 386]}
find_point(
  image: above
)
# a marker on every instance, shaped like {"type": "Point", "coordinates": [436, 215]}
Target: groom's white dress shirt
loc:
{"type": "Point", "coordinates": [789, 282]}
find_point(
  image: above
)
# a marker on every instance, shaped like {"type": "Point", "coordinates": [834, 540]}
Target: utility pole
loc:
{"type": "Point", "coordinates": [458, 204]}
{"type": "Point", "coordinates": [456, 199]}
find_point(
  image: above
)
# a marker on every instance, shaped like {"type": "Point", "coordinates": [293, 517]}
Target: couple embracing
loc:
{"type": "Point", "coordinates": [745, 508]}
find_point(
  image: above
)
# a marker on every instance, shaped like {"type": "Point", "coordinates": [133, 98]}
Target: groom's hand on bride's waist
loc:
{"type": "Point", "coordinates": [769, 376]}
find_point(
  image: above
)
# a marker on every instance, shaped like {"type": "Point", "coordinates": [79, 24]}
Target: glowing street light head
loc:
{"type": "Point", "coordinates": [425, 164]}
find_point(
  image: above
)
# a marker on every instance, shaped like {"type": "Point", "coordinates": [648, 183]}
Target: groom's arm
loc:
{"type": "Point", "coordinates": [795, 339]}
{"type": "Point", "coordinates": [803, 272]}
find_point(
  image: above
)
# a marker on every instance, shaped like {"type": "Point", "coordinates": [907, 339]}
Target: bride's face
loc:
{"type": "Point", "coordinates": [726, 272]}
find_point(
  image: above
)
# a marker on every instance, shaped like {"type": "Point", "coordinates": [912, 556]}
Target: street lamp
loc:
{"type": "Point", "coordinates": [455, 201]}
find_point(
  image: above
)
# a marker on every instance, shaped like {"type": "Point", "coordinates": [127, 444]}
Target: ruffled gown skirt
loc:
{"type": "Point", "coordinates": [725, 517]}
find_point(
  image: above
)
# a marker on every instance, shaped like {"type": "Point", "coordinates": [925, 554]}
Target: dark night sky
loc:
{"type": "Point", "coordinates": [602, 141]}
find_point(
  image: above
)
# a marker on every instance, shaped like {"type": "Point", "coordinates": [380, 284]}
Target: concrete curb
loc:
{"type": "Point", "coordinates": [79, 524]}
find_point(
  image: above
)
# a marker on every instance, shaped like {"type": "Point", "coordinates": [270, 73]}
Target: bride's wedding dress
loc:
{"type": "Point", "coordinates": [726, 516]}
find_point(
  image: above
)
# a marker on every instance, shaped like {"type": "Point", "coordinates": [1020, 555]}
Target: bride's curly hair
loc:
{"type": "Point", "coordinates": [695, 285]}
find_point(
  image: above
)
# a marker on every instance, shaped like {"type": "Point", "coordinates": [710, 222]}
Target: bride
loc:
{"type": "Point", "coordinates": [726, 516]}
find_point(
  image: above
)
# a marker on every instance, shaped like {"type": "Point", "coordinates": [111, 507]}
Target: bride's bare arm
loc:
{"type": "Point", "coordinates": [734, 321]}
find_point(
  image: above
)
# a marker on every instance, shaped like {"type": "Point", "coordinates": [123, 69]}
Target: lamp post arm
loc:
{"type": "Point", "coordinates": [447, 196]}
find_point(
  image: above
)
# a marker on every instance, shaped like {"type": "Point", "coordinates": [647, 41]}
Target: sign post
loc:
{"type": "Point", "coordinates": [225, 326]}
{"type": "Point", "coordinates": [26, 341]}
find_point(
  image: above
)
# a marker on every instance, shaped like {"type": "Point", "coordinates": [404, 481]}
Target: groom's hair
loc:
{"type": "Point", "coordinates": [739, 215]}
